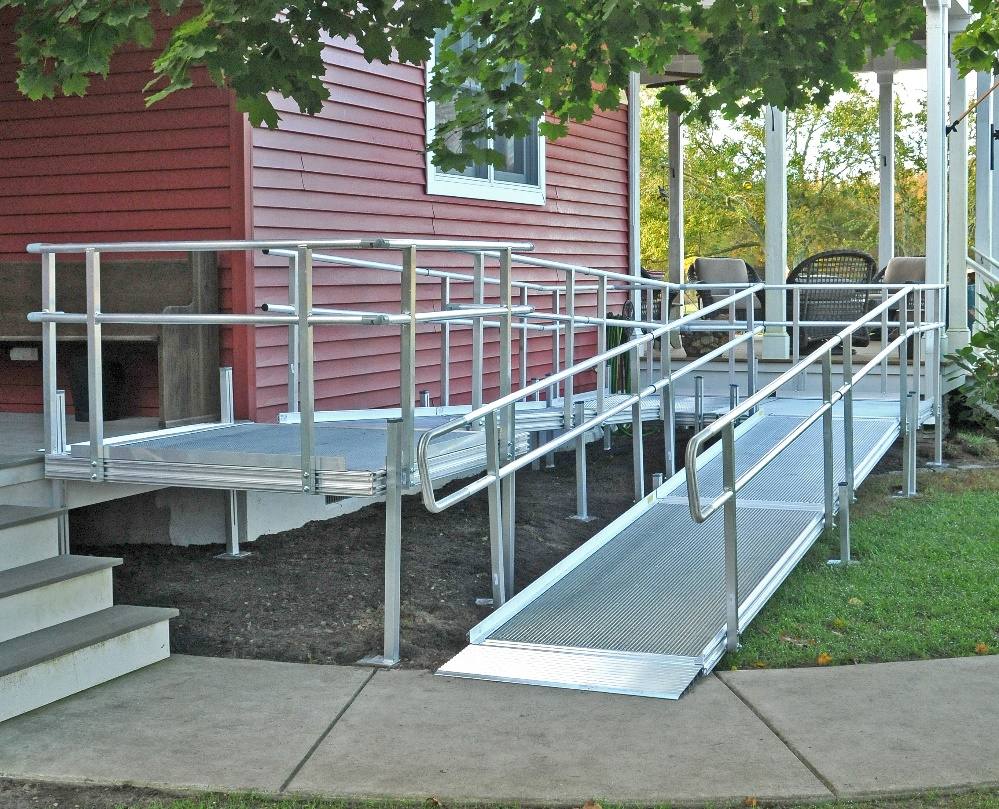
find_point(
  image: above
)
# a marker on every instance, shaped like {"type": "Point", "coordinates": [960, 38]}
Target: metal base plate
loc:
{"type": "Point", "coordinates": [659, 676]}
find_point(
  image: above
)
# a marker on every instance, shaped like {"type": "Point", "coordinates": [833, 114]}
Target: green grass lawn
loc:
{"type": "Point", "coordinates": [926, 584]}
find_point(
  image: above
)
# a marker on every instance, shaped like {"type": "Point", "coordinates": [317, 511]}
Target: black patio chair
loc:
{"type": "Point", "coordinates": [844, 303]}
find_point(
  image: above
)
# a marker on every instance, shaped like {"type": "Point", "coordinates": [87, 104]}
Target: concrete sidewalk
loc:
{"type": "Point", "coordinates": [799, 735]}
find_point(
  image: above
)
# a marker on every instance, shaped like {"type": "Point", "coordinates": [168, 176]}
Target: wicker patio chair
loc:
{"type": "Point", "coordinates": [844, 303]}
{"type": "Point", "coordinates": [719, 271]}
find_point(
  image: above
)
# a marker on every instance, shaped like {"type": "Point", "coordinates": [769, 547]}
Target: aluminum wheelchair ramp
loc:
{"type": "Point", "coordinates": [639, 609]}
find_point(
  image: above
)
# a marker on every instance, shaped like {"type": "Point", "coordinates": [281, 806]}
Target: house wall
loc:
{"type": "Point", "coordinates": [105, 168]}
{"type": "Point", "coordinates": [359, 170]}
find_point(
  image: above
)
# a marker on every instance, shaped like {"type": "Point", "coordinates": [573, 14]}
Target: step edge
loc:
{"type": "Point", "coordinates": [39, 513]}
{"type": "Point", "coordinates": [56, 576]}
{"type": "Point", "coordinates": [142, 617]}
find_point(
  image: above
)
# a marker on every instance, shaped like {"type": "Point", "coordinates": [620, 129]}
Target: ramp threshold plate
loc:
{"type": "Point", "coordinates": [640, 608]}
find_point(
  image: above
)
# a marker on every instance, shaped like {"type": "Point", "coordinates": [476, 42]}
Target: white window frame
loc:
{"type": "Point", "coordinates": [443, 184]}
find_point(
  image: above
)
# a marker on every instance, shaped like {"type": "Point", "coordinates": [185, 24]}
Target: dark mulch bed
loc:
{"type": "Point", "coordinates": [315, 594]}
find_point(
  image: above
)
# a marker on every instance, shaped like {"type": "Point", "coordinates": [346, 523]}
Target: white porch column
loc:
{"type": "Point", "coordinates": [776, 342]}
{"type": "Point", "coordinates": [994, 151]}
{"type": "Point", "coordinates": [936, 139]}
{"type": "Point", "coordinates": [957, 217]}
{"type": "Point", "coordinates": [886, 185]}
{"type": "Point", "coordinates": [676, 243]}
{"type": "Point", "coordinates": [634, 157]}
{"type": "Point", "coordinates": [983, 166]}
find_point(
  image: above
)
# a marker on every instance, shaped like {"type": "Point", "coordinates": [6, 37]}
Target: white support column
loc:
{"type": "Point", "coordinates": [984, 174]}
{"type": "Point", "coordinates": [983, 166]}
{"type": "Point", "coordinates": [676, 243]}
{"type": "Point", "coordinates": [994, 151]}
{"type": "Point", "coordinates": [776, 343]}
{"type": "Point", "coordinates": [634, 158]}
{"type": "Point", "coordinates": [936, 139]}
{"type": "Point", "coordinates": [957, 216]}
{"type": "Point", "coordinates": [886, 128]}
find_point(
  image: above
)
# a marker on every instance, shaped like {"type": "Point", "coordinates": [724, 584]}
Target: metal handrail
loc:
{"type": "Point", "coordinates": [718, 426]}
{"type": "Point", "coordinates": [487, 411]}
{"type": "Point", "coordinates": [235, 245]}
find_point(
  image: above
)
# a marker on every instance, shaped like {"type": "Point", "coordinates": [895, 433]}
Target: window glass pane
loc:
{"type": "Point", "coordinates": [444, 111]}
{"type": "Point", "coordinates": [520, 160]}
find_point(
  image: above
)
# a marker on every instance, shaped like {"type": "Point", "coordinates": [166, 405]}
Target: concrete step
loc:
{"type": "Point", "coordinates": [50, 664]}
{"type": "Point", "coordinates": [28, 534]}
{"type": "Point", "coordinates": [42, 594]}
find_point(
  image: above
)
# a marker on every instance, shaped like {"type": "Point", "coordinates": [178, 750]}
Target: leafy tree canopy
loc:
{"type": "Point", "coordinates": [575, 55]}
{"type": "Point", "coordinates": [832, 182]}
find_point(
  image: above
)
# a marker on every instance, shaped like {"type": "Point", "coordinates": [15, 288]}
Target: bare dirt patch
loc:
{"type": "Point", "coordinates": [315, 594]}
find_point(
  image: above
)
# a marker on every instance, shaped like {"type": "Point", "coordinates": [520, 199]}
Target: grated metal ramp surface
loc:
{"type": "Point", "coordinates": [640, 608]}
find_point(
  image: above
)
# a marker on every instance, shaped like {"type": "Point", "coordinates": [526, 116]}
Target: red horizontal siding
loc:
{"type": "Point", "coordinates": [105, 168]}
{"type": "Point", "coordinates": [358, 169]}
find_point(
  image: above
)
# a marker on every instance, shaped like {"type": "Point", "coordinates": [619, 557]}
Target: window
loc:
{"type": "Point", "coordinates": [522, 177]}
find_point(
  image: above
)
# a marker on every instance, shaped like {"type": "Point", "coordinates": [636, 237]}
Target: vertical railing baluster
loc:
{"type": "Point", "coordinates": [306, 367]}
{"type": "Point", "coordinates": [731, 539]}
{"type": "Point", "coordinates": [478, 297]}
{"type": "Point", "coordinates": [828, 468]}
{"type": "Point", "coordinates": [445, 344]}
{"type": "Point", "coordinates": [95, 365]}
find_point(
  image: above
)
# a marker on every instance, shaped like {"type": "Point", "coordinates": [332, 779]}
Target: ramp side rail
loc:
{"type": "Point", "coordinates": [500, 415]}
{"type": "Point", "coordinates": [923, 323]}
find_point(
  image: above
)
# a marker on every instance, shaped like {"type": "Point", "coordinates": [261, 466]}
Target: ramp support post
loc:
{"type": "Point", "coordinates": [582, 513]}
{"type": "Point", "coordinates": [731, 537]}
{"type": "Point", "coordinates": [637, 448]}
{"type": "Point", "coordinates": [913, 436]}
{"type": "Point", "coordinates": [235, 526]}
{"type": "Point", "coordinates": [843, 518]}
{"type": "Point", "coordinates": [668, 404]}
{"type": "Point", "coordinates": [396, 438]}
{"type": "Point", "coordinates": [496, 534]}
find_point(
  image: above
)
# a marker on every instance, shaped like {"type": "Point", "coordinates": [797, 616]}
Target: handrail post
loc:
{"type": "Point", "coordinates": [570, 345]}
{"type": "Point", "coordinates": [582, 513]}
{"type": "Point", "coordinates": [293, 362]}
{"type": "Point", "coordinates": [698, 403]}
{"type": "Point", "coordinates": [667, 404]}
{"type": "Point", "coordinates": [50, 384]}
{"type": "Point", "coordinates": [446, 344]}
{"type": "Point", "coordinates": [497, 562]}
{"type": "Point", "coordinates": [848, 459]}
{"type": "Point", "coordinates": [506, 348]}
{"type": "Point", "coordinates": [478, 297]}
{"type": "Point", "coordinates": [750, 303]}
{"type": "Point", "coordinates": [843, 523]}
{"type": "Point", "coordinates": [731, 336]}
{"type": "Point", "coordinates": [601, 348]}
{"type": "Point", "coordinates": [827, 439]}
{"type": "Point", "coordinates": [913, 402]}
{"type": "Point", "coordinates": [556, 342]}
{"type": "Point", "coordinates": [637, 446]}
{"type": "Point", "coordinates": [796, 334]}
{"type": "Point", "coordinates": [522, 346]}
{"type": "Point", "coordinates": [731, 540]}
{"type": "Point", "coordinates": [407, 362]}
{"type": "Point", "coordinates": [938, 403]}
{"type": "Point", "coordinates": [884, 342]}
{"type": "Point", "coordinates": [306, 367]}
{"type": "Point", "coordinates": [95, 366]}
{"type": "Point", "coordinates": [917, 342]}
{"type": "Point", "coordinates": [903, 359]}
